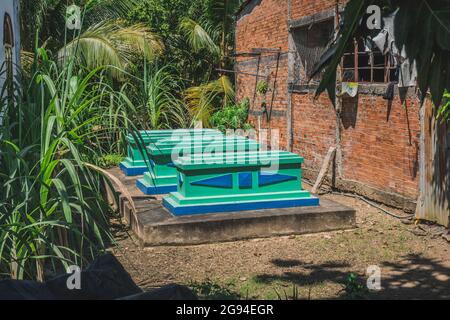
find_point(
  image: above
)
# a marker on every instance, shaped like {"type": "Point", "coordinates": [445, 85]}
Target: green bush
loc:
{"type": "Point", "coordinates": [262, 87]}
{"type": "Point", "coordinates": [232, 117]}
{"type": "Point", "coordinates": [354, 287]}
{"type": "Point", "coordinates": [210, 290]}
{"type": "Point", "coordinates": [109, 160]}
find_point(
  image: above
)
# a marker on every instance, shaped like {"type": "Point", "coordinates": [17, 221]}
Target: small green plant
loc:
{"type": "Point", "coordinates": [157, 98]}
{"type": "Point", "coordinates": [232, 117]}
{"type": "Point", "coordinates": [354, 287]}
{"type": "Point", "coordinates": [109, 160]}
{"type": "Point", "coordinates": [444, 111]}
{"type": "Point", "coordinates": [295, 294]}
{"type": "Point", "coordinates": [210, 290]}
{"type": "Point", "coordinates": [262, 87]}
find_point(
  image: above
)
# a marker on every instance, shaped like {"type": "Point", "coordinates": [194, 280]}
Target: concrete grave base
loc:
{"type": "Point", "coordinates": [154, 225]}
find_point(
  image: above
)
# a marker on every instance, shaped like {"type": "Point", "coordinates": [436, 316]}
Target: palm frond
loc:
{"type": "Point", "coordinates": [110, 43]}
{"type": "Point", "coordinates": [203, 100]}
{"type": "Point", "coordinates": [98, 10]}
{"type": "Point", "coordinates": [26, 59]}
{"type": "Point", "coordinates": [141, 39]}
{"type": "Point", "coordinates": [198, 37]}
{"type": "Point", "coordinates": [95, 48]}
{"type": "Point", "coordinates": [222, 11]}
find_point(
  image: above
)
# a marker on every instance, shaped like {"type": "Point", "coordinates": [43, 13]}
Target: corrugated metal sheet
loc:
{"type": "Point", "coordinates": [434, 200]}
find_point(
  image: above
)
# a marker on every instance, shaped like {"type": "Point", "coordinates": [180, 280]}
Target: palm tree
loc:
{"type": "Point", "coordinates": [213, 34]}
{"type": "Point", "coordinates": [104, 39]}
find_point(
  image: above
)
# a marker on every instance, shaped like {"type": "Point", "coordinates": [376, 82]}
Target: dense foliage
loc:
{"type": "Point", "coordinates": [105, 38]}
{"type": "Point", "coordinates": [444, 111]}
{"type": "Point", "coordinates": [233, 116]}
{"type": "Point", "coordinates": [198, 38]}
{"type": "Point", "coordinates": [165, 18]}
{"type": "Point", "coordinates": [52, 213]}
{"type": "Point", "coordinates": [133, 65]}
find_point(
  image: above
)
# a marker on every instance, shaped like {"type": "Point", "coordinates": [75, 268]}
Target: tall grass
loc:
{"type": "Point", "coordinates": [158, 100]}
{"type": "Point", "coordinates": [52, 213]}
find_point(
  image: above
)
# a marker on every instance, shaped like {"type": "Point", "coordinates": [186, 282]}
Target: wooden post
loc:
{"type": "Point", "coordinates": [323, 171]}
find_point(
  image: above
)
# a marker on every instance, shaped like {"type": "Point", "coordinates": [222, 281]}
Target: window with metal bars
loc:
{"type": "Point", "coordinates": [363, 62]}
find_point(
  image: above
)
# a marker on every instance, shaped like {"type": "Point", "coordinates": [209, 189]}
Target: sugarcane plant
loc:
{"type": "Point", "coordinates": [52, 212]}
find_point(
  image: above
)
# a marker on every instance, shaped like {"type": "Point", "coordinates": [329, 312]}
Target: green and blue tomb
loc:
{"type": "Point", "coordinates": [136, 163]}
{"type": "Point", "coordinates": [238, 181]}
{"type": "Point", "coordinates": [162, 177]}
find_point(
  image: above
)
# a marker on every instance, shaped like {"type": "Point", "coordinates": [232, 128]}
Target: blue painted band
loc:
{"type": "Point", "coordinates": [245, 180]}
{"type": "Point", "coordinates": [243, 206]}
{"type": "Point", "coordinates": [223, 181]}
{"type": "Point", "coordinates": [152, 190]}
{"type": "Point", "coordinates": [132, 171]}
{"type": "Point", "coordinates": [268, 179]}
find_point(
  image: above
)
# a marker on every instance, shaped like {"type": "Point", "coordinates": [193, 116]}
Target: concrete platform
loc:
{"type": "Point", "coordinates": [155, 225]}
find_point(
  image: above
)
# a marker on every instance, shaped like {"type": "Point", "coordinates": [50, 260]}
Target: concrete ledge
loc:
{"type": "Point", "coordinates": [153, 190]}
{"type": "Point", "coordinates": [129, 183]}
{"type": "Point", "coordinates": [155, 226]}
{"type": "Point", "coordinates": [183, 210]}
{"type": "Point", "coordinates": [132, 171]}
{"type": "Point", "coordinates": [375, 89]}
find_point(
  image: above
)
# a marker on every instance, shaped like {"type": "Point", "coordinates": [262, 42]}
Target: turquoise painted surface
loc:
{"type": "Point", "coordinates": [273, 163]}
{"type": "Point", "coordinates": [266, 177]}
{"type": "Point", "coordinates": [161, 155]}
{"type": "Point", "coordinates": [135, 156]}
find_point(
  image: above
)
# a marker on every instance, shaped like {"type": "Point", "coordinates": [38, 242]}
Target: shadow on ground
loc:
{"type": "Point", "coordinates": [413, 277]}
{"type": "Point", "coordinates": [316, 273]}
{"type": "Point", "coordinates": [416, 277]}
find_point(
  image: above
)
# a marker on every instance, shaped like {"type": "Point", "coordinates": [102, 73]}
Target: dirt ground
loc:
{"type": "Point", "coordinates": [414, 261]}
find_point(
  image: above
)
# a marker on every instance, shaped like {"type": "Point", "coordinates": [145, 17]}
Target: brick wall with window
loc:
{"type": "Point", "coordinates": [379, 138]}
{"type": "Point", "coordinates": [366, 63]}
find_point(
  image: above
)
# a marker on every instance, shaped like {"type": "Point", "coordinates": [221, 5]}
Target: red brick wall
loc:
{"type": "Point", "coordinates": [379, 142]}
{"type": "Point", "coordinates": [246, 89]}
{"type": "Point", "coordinates": [265, 27]}
{"type": "Point", "coordinates": [314, 128]}
{"type": "Point", "coordinates": [301, 8]}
